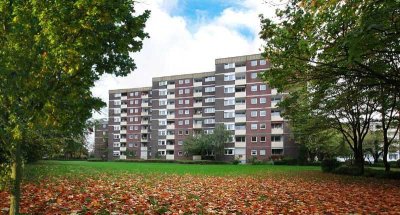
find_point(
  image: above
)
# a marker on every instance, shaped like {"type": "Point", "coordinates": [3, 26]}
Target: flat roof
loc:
{"type": "Point", "coordinates": [238, 58]}
{"type": "Point", "coordinates": [126, 90]}
{"type": "Point", "coordinates": [192, 75]}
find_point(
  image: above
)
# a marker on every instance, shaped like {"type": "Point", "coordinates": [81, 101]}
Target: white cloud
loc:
{"type": "Point", "coordinates": [175, 48]}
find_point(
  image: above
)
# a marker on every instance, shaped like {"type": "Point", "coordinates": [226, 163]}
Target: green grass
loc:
{"type": "Point", "coordinates": [75, 168]}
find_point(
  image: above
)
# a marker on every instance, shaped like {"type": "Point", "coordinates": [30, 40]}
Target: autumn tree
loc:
{"type": "Point", "coordinates": [51, 54]}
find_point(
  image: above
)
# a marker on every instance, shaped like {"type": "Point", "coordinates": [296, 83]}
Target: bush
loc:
{"type": "Point", "coordinates": [235, 162]}
{"type": "Point", "coordinates": [286, 161]}
{"type": "Point", "coordinates": [376, 173]}
{"type": "Point", "coordinates": [254, 161]}
{"type": "Point", "coordinates": [174, 161]}
{"type": "Point", "coordinates": [347, 170]}
{"type": "Point", "coordinates": [398, 163]}
{"type": "Point", "coordinates": [95, 160]}
{"type": "Point", "coordinates": [394, 164]}
{"type": "Point", "coordinates": [329, 165]}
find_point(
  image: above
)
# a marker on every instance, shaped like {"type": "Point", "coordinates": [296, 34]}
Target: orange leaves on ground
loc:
{"type": "Point", "coordinates": [307, 193]}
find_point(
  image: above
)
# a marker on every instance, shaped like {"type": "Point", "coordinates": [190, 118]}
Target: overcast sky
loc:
{"type": "Point", "coordinates": [186, 36]}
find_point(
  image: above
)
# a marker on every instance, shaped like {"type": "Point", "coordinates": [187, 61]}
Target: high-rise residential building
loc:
{"type": "Point", "coordinates": [153, 122]}
{"type": "Point", "coordinates": [101, 139]}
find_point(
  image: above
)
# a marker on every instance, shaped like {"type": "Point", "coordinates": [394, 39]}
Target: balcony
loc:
{"type": "Point", "coordinates": [277, 131]}
{"type": "Point", "coordinates": [171, 86]}
{"type": "Point", "coordinates": [124, 114]}
{"type": "Point", "coordinates": [124, 122]}
{"type": "Point", "coordinates": [171, 116]}
{"type": "Point", "coordinates": [240, 144]}
{"type": "Point", "coordinates": [144, 113]}
{"type": "Point", "coordinates": [240, 132]}
{"type": "Point", "coordinates": [170, 96]}
{"type": "Point", "coordinates": [123, 131]}
{"type": "Point", "coordinates": [197, 125]}
{"type": "Point", "coordinates": [124, 97]}
{"type": "Point", "coordinates": [240, 107]}
{"type": "Point", "coordinates": [240, 69]}
{"type": "Point", "coordinates": [240, 119]}
{"type": "Point", "coordinates": [276, 118]}
{"type": "Point", "coordinates": [122, 140]}
{"type": "Point", "coordinates": [274, 104]}
{"type": "Point", "coordinates": [277, 144]}
{"type": "Point", "coordinates": [144, 131]}
{"type": "Point", "coordinates": [240, 94]}
{"type": "Point", "coordinates": [197, 115]}
{"type": "Point", "coordinates": [145, 104]}
{"type": "Point", "coordinates": [144, 140]}
{"type": "Point", "coordinates": [124, 106]}
{"type": "Point", "coordinates": [171, 126]}
{"type": "Point", "coordinates": [122, 149]}
{"type": "Point", "coordinates": [144, 122]}
{"type": "Point", "coordinates": [170, 157]}
{"type": "Point", "coordinates": [197, 94]}
{"type": "Point", "coordinates": [171, 106]}
{"type": "Point", "coordinates": [170, 147]}
{"type": "Point", "coordinates": [170, 136]}
{"type": "Point", "coordinates": [274, 91]}
{"type": "Point", "coordinates": [145, 96]}
{"type": "Point", "coordinates": [198, 104]}
{"type": "Point", "coordinates": [240, 82]}
{"type": "Point", "coordinates": [198, 84]}
{"type": "Point", "coordinates": [122, 157]}
{"type": "Point", "coordinates": [143, 148]}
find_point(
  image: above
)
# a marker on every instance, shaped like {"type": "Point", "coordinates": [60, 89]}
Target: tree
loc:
{"type": "Point", "coordinates": [51, 53]}
{"type": "Point", "coordinates": [373, 144]}
{"type": "Point", "coordinates": [218, 140]}
{"type": "Point", "coordinates": [341, 51]}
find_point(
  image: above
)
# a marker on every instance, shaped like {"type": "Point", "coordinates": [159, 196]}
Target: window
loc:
{"type": "Point", "coordinates": [263, 100]}
{"type": "Point", "coordinates": [162, 83]}
{"type": "Point", "coordinates": [117, 119]}
{"type": "Point", "coordinates": [180, 92]}
{"type": "Point", "coordinates": [180, 122]}
{"type": "Point", "coordinates": [209, 131]}
{"type": "Point", "coordinates": [131, 102]}
{"type": "Point", "coordinates": [229, 77]}
{"type": "Point", "coordinates": [275, 113]}
{"type": "Point", "coordinates": [263, 113]}
{"type": "Point", "coordinates": [117, 111]}
{"type": "Point", "coordinates": [162, 122]}
{"type": "Point", "coordinates": [131, 94]}
{"type": "Point", "coordinates": [186, 111]}
{"type": "Point", "coordinates": [186, 132]}
{"type": "Point", "coordinates": [263, 87]}
{"type": "Point", "coordinates": [186, 122]}
{"type": "Point", "coordinates": [180, 132]}
{"type": "Point", "coordinates": [229, 101]}
{"type": "Point", "coordinates": [209, 89]}
{"type": "Point", "coordinates": [263, 62]}
{"type": "Point", "coordinates": [209, 121]}
{"type": "Point", "coordinates": [277, 151]}
{"type": "Point", "coordinates": [130, 110]}
{"type": "Point", "coordinates": [161, 153]}
{"type": "Point", "coordinates": [209, 110]}
{"type": "Point", "coordinates": [263, 139]}
{"type": "Point", "coordinates": [262, 152]}
{"type": "Point", "coordinates": [180, 153]}
{"type": "Point", "coordinates": [208, 79]}
{"type": "Point", "coordinates": [253, 113]}
{"type": "Point", "coordinates": [136, 119]}
{"type": "Point", "coordinates": [229, 151]}
{"type": "Point", "coordinates": [136, 127]}
{"type": "Point", "coordinates": [209, 100]}
{"type": "Point", "coordinates": [162, 102]}
{"type": "Point", "coordinates": [253, 101]}
{"type": "Point", "coordinates": [253, 152]}
{"type": "Point", "coordinates": [229, 65]}
{"type": "Point", "coordinates": [254, 88]}
{"type": "Point", "coordinates": [136, 93]}
{"type": "Point", "coordinates": [162, 112]}
{"type": "Point", "coordinates": [116, 136]}
{"type": "Point", "coordinates": [253, 63]}
{"type": "Point", "coordinates": [162, 92]}
{"type": "Point", "coordinates": [136, 102]}
{"type": "Point", "coordinates": [187, 101]}
{"type": "Point", "coordinates": [230, 126]}
{"type": "Point", "coordinates": [117, 102]}
{"type": "Point", "coordinates": [180, 112]}
{"type": "Point", "coordinates": [229, 114]}
{"type": "Point", "coordinates": [116, 128]}
{"type": "Point", "coordinates": [187, 81]}
{"type": "Point", "coordinates": [131, 128]}
{"type": "Point", "coordinates": [276, 125]}
{"type": "Point", "coordinates": [117, 95]}
{"type": "Point", "coordinates": [161, 142]}
{"type": "Point", "coordinates": [254, 126]}
{"type": "Point", "coordinates": [229, 89]}
{"type": "Point", "coordinates": [276, 138]}
{"type": "Point", "coordinates": [263, 126]}
{"type": "Point", "coordinates": [116, 153]}
{"type": "Point", "coordinates": [180, 101]}
{"type": "Point", "coordinates": [180, 142]}
{"type": "Point", "coordinates": [240, 139]}
{"type": "Point", "coordinates": [253, 75]}
{"type": "Point", "coordinates": [180, 81]}
{"type": "Point", "coordinates": [253, 139]}
{"type": "Point", "coordinates": [162, 132]}
{"type": "Point", "coordinates": [130, 145]}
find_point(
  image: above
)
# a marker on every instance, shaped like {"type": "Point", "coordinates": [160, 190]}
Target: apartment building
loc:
{"type": "Point", "coordinates": [101, 139]}
{"type": "Point", "coordinates": [129, 123]}
{"type": "Point", "coordinates": [153, 122]}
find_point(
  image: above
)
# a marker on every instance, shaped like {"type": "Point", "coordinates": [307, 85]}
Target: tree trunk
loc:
{"type": "Point", "coordinates": [16, 177]}
{"type": "Point", "coordinates": [359, 161]}
{"type": "Point", "coordinates": [385, 155]}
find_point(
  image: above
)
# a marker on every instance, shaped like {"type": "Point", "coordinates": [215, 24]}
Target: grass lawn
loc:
{"type": "Point", "coordinates": [80, 187]}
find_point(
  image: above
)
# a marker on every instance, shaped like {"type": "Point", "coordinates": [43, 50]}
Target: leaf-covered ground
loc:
{"type": "Point", "coordinates": [307, 192]}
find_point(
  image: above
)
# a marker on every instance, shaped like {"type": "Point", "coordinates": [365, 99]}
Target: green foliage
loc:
{"type": "Point", "coordinates": [347, 170]}
{"type": "Point", "coordinates": [286, 161]}
{"type": "Point", "coordinates": [330, 165]}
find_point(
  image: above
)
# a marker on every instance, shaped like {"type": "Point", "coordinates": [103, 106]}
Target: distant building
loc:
{"type": "Point", "coordinates": [101, 139]}
{"type": "Point", "coordinates": [394, 155]}
{"type": "Point", "coordinates": [153, 122]}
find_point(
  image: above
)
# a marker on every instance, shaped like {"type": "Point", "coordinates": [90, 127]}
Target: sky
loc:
{"type": "Point", "coordinates": [186, 36]}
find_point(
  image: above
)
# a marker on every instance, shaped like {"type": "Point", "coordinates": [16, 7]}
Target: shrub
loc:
{"type": "Point", "coordinates": [254, 161]}
{"type": "Point", "coordinates": [235, 162]}
{"type": "Point", "coordinates": [347, 170]}
{"type": "Point", "coordinates": [95, 160]}
{"type": "Point", "coordinates": [398, 163]}
{"type": "Point", "coordinates": [329, 165]}
{"type": "Point", "coordinates": [286, 161]}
